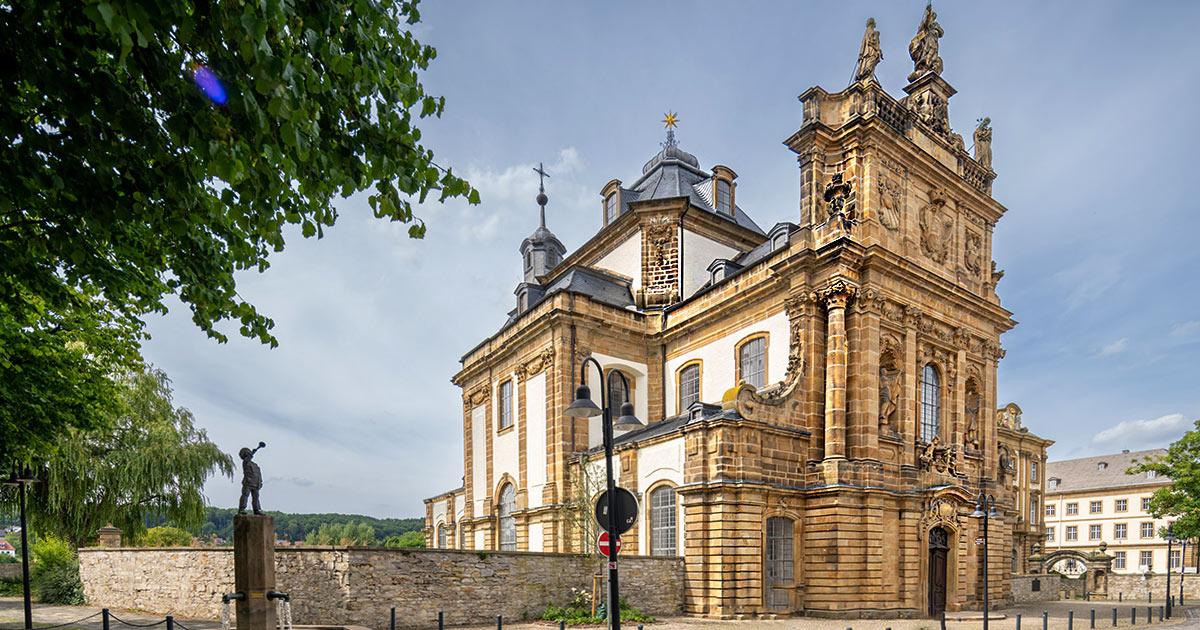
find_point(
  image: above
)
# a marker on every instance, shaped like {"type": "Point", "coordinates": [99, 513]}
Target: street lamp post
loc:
{"type": "Point", "coordinates": [1170, 541]}
{"type": "Point", "coordinates": [1182, 566]}
{"type": "Point", "coordinates": [985, 508]}
{"type": "Point", "coordinates": [583, 407]}
{"type": "Point", "coordinates": [20, 478]}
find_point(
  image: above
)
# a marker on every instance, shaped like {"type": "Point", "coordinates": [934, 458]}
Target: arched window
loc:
{"type": "Point", "coordinates": [617, 392]}
{"type": "Point", "coordinates": [462, 535]}
{"type": "Point", "coordinates": [441, 537]}
{"type": "Point", "coordinates": [689, 385]}
{"type": "Point", "coordinates": [662, 522]}
{"type": "Point", "coordinates": [508, 522]}
{"type": "Point", "coordinates": [752, 362]}
{"type": "Point", "coordinates": [506, 404]}
{"type": "Point", "coordinates": [931, 403]}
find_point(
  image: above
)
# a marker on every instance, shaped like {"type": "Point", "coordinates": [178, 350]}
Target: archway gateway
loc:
{"type": "Point", "coordinates": [939, 549]}
{"type": "Point", "coordinates": [1096, 565]}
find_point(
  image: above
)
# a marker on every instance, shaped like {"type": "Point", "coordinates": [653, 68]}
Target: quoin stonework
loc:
{"type": "Point", "coordinates": [820, 395]}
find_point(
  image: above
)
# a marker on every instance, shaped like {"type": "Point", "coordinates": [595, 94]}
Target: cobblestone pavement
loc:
{"type": "Point", "coordinates": [1057, 613]}
{"type": "Point", "coordinates": [12, 617]}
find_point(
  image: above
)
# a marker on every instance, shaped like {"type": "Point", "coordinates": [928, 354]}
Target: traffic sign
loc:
{"type": "Point", "coordinates": [602, 544]}
{"type": "Point", "coordinates": [627, 511]}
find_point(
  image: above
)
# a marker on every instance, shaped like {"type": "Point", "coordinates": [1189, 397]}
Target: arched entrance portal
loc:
{"type": "Point", "coordinates": [939, 548]}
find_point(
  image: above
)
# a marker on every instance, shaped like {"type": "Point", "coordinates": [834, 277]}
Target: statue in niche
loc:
{"type": "Point", "coordinates": [869, 54]}
{"type": "Point", "coordinates": [888, 393]}
{"type": "Point", "coordinates": [937, 227]}
{"type": "Point", "coordinates": [983, 143]}
{"type": "Point", "coordinates": [924, 46]}
{"type": "Point", "coordinates": [840, 203]}
{"type": "Point", "coordinates": [972, 413]}
{"type": "Point", "coordinates": [973, 255]}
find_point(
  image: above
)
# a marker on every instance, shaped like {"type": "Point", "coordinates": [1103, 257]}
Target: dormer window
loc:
{"type": "Point", "coordinates": [610, 208]}
{"type": "Point", "coordinates": [1054, 482]}
{"type": "Point", "coordinates": [1101, 465]}
{"type": "Point", "coordinates": [724, 197]}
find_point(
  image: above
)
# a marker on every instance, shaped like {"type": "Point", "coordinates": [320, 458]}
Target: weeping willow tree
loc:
{"type": "Point", "coordinates": [151, 462]}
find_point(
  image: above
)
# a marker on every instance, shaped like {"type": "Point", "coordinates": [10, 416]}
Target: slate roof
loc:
{"type": "Point", "coordinates": [1086, 473]}
{"type": "Point", "coordinates": [594, 283]}
{"type": "Point", "coordinates": [673, 172]}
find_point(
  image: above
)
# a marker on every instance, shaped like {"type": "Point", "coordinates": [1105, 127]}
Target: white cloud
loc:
{"type": "Point", "coordinates": [1142, 434]}
{"type": "Point", "coordinates": [1116, 347]}
{"type": "Point", "coordinates": [1186, 329]}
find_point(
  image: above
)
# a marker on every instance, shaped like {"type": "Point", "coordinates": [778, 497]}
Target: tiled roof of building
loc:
{"type": "Point", "coordinates": [1099, 472]}
{"type": "Point", "coordinates": [6, 546]}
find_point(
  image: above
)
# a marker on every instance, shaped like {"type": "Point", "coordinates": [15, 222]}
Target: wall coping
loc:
{"type": "Point", "coordinates": [408, 550]}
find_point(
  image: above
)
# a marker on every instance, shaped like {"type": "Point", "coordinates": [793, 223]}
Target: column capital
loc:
{"type": "Point", "coordinates": [836, 293]}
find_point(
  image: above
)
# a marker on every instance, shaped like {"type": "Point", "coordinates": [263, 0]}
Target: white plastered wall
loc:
{"type": "Point", "coordinates": [719, 370]}
{"type": "Point", "coordinates": [658, 463]}
{"type": "Point", "coordinates": [698, 253]}
{"type": "Point", "coordinates": [535, 537]}
{"type": "Point", "coordinates": [479, 489]}
{"type": "Point", "coordinates": [626, 260]}
{"type": "Point", "coordinates": [535, 439]}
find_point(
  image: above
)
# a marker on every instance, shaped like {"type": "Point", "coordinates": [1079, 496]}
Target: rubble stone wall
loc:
{"type": "Point", "coordinates": [359, 586]}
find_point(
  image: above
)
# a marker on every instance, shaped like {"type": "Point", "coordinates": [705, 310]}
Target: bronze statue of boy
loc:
{"type": "Point", "coordinates": [251, 479]}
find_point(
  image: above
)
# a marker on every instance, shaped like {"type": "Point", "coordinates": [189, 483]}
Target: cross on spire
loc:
{"type": "Point", "coordinates": [542, 198]}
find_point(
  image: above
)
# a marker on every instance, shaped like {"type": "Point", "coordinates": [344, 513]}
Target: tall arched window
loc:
{"type": "Point", "coordinates": [780, 562]}
{"type": "Point", "coordinates": [752, 362]}
{"type": "Point", "coordinates": [662, 522]}
{"type": "Point", "coordinates": [441, 537]}
{"type": "Point", "coordinates": [508, 522]}
{"type": "Point", "coordinates": [689, 386]}
{"type": "Point", "coordinates": [931, 403]}
{"type": "Point", "coordinates": [462, 535]}
{"type": "Point", "coordinates": [617, 392]}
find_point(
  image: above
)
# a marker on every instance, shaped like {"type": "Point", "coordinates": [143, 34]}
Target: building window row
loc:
{"type": "Point", "coordinates": [663, 519]}
{"type": "Point", "coordinates": [1072, 509]}
{"type": "Point", "coordinates": [506, 404]}
{"type": "Point", "coordinates": [1050, 509]}
{"type": "Point", "coordinates": [751, 363]}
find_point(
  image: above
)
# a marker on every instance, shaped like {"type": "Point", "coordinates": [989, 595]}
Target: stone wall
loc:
{"type": "Point", "coordinates": [10, 571]}
{"type": "Point", "coordinates": [1136, 586]}
{"type": "Point", "coordinates": [358, 586]}
{"type": "Point", "coordinates": [1035, 588]}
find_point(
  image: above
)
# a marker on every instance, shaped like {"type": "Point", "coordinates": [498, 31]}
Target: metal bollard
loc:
{"type": "Point", "coordinates": [104, 615]}
{"type": "Point", "coordinates": [1045, 619]}
{"type": "Point", "coordinates": [392, 619]}
{"type": "Point", "coordinates": [1114, 617]}
{"type": "Point", "coordinates": [1093, 622]}
{"type": "Point", "coordinates": [1149, 597]}
{"type": "Point", "coordinates": [441, 620]}
{"type": "Point", "coordinates": [499, 622]}
{"type": "Point", "coordinates": [1160, 613]}
{"type": "Point", "coordinates": [1018, 622]}
{"type": "Point", "coordinates": [1149, 615]}
{"type": "Point", "coordinates": [943, 620]}
{"type": "Point", "coordinates": [562, 625]}
{"type": "Point", "coordinates": [1120, 595]}
{"type": "Point", "coordinates": [1133, 616]}
{"type": "Point", "coordinates": [170, 622]}
{"type": "Point", "coordinates": [1070, 620]}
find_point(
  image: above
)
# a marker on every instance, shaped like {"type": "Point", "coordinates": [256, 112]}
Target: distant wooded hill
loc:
{"type": "Point", "coordinates": [219, 521]}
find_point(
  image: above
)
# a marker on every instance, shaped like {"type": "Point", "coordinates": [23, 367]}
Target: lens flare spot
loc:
{"type": "Point", "coordinates": [209, 84]}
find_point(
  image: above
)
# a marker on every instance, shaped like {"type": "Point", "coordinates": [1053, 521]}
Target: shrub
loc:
{"type": "Point", "coordinates": [165, 537]}
{"type": "Point", "coordinates": [579, 611]}
{"type": "Point", "coordinates": [54, 574]}
{"type": "Point", "coordinates": [7, 559]}
{"type": "Point", "coordinates": [11, 588]}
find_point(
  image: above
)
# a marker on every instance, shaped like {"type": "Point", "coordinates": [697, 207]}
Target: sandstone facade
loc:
{"type": "Point", "coordinates": [358, 586]}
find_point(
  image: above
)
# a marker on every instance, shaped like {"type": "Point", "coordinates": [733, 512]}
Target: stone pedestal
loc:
{"type": "Point", "coordinates": [109, 536]}
{"type": "Point", "coordinates": [254, 570]}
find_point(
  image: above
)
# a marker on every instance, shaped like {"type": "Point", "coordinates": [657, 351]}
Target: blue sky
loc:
{"type": "Point", "coordinates": [1095, 142]}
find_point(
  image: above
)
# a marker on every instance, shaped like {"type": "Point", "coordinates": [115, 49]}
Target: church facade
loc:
{"type": "Point", "coordinates": [820, 396]}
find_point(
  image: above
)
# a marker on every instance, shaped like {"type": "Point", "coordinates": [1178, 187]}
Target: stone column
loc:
{"type": "Point", "coordinates": [254, 570]}
{"type": "Point", "coordinates": [836, 296]}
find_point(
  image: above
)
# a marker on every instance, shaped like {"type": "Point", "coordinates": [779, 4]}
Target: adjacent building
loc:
{"type": "Point", "coordinates": [820, 396]}
{"type": "Point", "coordinates": [1093, 500]}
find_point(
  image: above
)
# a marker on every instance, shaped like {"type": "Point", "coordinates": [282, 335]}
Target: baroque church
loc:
{"type": "Point", "coordinates": [819, 397]}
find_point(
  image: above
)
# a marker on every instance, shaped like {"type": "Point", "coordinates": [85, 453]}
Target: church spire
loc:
{"type": "Point", "coordinates": [542, 251]}
{"type": "Point", "coordinates": [541, 197]}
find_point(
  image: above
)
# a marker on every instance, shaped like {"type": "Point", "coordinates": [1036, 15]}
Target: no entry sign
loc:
{"type": "Point", "coordinates": [602, 544]}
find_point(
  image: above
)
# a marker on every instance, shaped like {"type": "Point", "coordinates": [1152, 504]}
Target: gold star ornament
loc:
{"type": "Point", "coordinates": [671, 120]}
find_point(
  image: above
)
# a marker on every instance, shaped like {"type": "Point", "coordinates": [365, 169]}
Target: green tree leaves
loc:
{"type": "Point", "coordinates": [121, 181]}
{"type": "Point", "coordinates": [1181, 499]}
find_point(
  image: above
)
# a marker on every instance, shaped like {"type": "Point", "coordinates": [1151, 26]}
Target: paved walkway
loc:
{"type": "Point", "coordinates": [1031, 619]}
{"type": "Point", "coordinates": [12, 617]}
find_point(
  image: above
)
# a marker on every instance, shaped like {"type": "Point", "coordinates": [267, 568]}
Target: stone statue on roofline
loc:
{"type": "Point", "coordinates": [924, 46]}
{"type": "Point", "coordinates": [983, 143]}
{"type": "Point", "coordinates": [869, 54]}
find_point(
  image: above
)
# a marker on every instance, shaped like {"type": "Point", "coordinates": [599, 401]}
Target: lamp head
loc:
{"type": "Point", "coordinates": [583, 407]}
{"type": "Point", "coordinates": [627, 419]}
